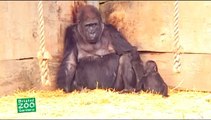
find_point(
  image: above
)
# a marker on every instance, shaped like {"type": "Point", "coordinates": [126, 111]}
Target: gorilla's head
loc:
{"type": "Point", "coordinates": [151, 66]}
{"type": "Point", "coordinates": [90, 25]}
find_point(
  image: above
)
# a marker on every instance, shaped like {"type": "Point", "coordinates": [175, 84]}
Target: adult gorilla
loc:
{"type": "Point", "coordinates": [97, 55]}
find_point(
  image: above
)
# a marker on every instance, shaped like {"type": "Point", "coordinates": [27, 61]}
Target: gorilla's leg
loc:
{"type": "Point", "coordinates": [130, 71]}
{"type": "Point", "coordinates": [126, 78]}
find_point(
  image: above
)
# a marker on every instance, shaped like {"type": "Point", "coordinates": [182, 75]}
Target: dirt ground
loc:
{"type": "Point", "coordinates": [108, 104]}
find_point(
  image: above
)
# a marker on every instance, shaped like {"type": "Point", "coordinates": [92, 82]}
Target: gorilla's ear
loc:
{"type": "Point", "coordinates": [155, 68]}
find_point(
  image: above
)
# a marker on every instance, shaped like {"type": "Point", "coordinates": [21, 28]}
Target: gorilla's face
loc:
{"type": "Point", "coordinates": [151, 66]}
{"type": "Point", "coordinates": [92, 30]}
{"type": "Point", "coordinates": [90, 24]}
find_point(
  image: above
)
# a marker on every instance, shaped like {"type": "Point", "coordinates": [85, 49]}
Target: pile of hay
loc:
{"type": "Point", "coordinates": [108, 104]}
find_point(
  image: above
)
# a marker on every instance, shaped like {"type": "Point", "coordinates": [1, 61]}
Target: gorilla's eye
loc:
{"type": "Point", "coordinates": [91, 24]}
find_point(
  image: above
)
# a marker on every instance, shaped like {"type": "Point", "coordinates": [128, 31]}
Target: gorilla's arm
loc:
{"type": "Point", "coordinates": [120, 44]}
{"type": "Point", "coordinates": [68, 65]}
{"type": "Point", "coordinates": [69, 42]}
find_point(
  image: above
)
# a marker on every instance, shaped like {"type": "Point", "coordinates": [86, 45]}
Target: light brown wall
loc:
{"type": "Point", "coordinates": [149, 25]}
{"type": "Point", "coordinates": [19, 41]}
{"type": "Point", "coordinates": [146, 24]}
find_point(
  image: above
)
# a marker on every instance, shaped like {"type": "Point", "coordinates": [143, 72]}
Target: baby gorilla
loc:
{"type": "Point", "coordinates": [152, 81]}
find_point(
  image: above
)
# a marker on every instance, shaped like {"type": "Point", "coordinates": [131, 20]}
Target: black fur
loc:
{"type": "Point", "coordinates": [152, 81]}
{"type": "Point", "coordinates": [97, 55]}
